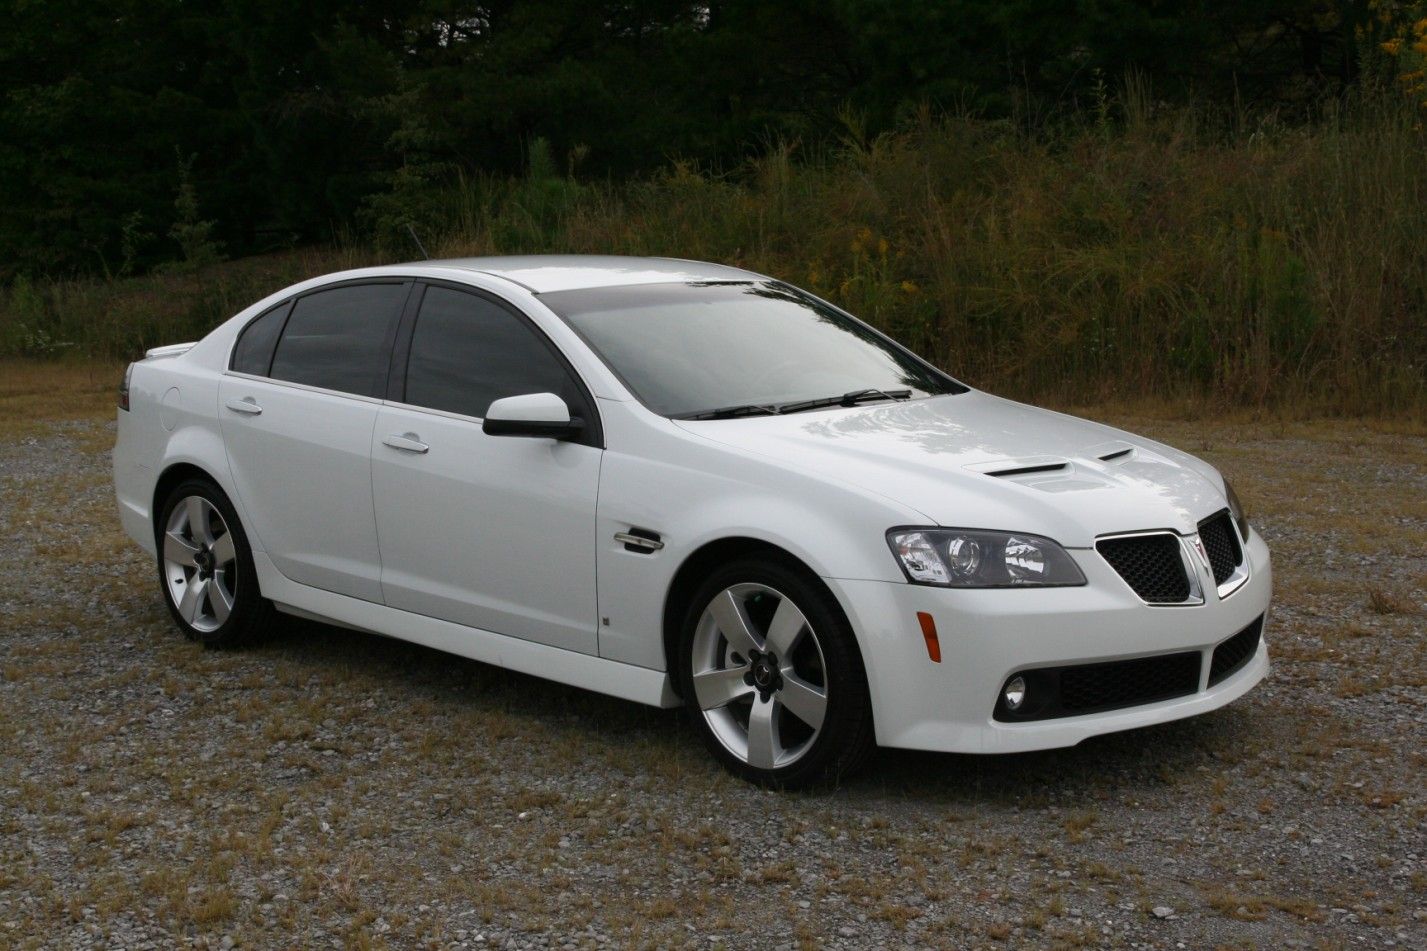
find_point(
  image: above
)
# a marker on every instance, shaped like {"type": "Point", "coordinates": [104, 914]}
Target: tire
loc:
{"type": "Point", "coordinates": [205, 568]}
{"type": "Point", "coordinates": [772, 676]}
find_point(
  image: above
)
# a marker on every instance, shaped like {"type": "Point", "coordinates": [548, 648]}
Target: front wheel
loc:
{"type": "Point", "coordinates": [206, 567]}
{"type": "Point", "coordinates": [771, 673]}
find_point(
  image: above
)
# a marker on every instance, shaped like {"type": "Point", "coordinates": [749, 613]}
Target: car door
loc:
{"type": "Point", "coordinates": [297, 409]}
{"type": "Point", "coordinates": [494, 532]}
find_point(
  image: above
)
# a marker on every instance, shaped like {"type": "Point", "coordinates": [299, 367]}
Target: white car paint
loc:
{"type": "Point", "coordinates": [937, 453]}
{"type": "Point", "coordinates": [504, 550]}
{"type": "Point", "coordinates": [537, 407]}
{"type": "Point", "coordinates": [301, 467]}
{"type": "Point", "coordinates": [487, 532]}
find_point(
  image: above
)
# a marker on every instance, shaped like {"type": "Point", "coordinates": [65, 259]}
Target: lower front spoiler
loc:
{"type": "Point", "coordinates": [1068, 731]}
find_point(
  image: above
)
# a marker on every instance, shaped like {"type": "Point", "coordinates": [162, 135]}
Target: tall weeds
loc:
{"type": "Point", "coordinates": [1142, 252]}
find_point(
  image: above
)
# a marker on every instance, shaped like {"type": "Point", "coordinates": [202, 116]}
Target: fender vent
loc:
{"type": "Point", "coordinates": [641, 541]}
{"type": "Point", "coordinates": [1117, 454]}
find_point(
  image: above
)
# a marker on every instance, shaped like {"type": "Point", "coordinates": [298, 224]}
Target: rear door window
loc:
{"type": "Point", "coordinates": [340, 339]}
{"type": "Point", "coordinates": [254, 352]}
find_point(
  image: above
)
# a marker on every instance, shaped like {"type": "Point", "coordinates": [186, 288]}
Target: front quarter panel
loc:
{"type": "Point", "coordinates": [692, 492]}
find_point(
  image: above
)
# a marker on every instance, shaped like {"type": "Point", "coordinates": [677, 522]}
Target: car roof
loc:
{"type": "Point", "coordinates": [546, 273]}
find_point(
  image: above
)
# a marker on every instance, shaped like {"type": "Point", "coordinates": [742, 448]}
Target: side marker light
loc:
{"type": "Point", "coordinates": [929, 635]}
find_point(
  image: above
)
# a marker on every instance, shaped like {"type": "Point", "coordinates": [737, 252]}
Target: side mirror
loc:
{"type": "Point", "coordinates": [532, 414]}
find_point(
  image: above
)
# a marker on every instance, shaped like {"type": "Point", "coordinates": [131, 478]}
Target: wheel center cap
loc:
{"type": "Point", "coordinates": [763, 673]}
{"type": "Point", "coordinates": [204, 561]}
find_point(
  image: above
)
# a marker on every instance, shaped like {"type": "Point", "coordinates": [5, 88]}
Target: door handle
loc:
{"type": "Point", "coordinates": [406, 442]}
{"type": "Point", "coordinates": [247, 405]}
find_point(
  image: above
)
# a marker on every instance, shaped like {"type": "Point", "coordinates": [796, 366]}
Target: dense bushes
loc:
{"type": "Point", "coordinates": [1154, 252]}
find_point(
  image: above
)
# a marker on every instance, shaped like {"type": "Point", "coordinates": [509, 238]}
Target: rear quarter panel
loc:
{"type": "Point", "coordinates": [172, 420]}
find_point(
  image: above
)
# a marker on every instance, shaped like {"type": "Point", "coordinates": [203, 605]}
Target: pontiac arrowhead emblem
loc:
{"type": "Point", "coordinates": [1199, 547]}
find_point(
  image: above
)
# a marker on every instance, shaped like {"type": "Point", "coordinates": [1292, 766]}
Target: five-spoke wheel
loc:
{"type": "Point", "coordinates": [205, 566]}
{"type": "Point", "coordinates": [759, 675]}
{"type": "Point", "coordinates": [200, 563]}
{"type": "Point", "coordinates": [773, 675]}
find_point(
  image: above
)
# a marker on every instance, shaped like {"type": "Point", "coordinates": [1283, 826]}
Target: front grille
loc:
{"type": "Point", "coordinates": [1094, 688]}
{"type": "Point", "coordinates": [1150, 564]}
{"type": "Point", "coordinates": [1221, 543]}
{"type": "Point", "coordinates": [1234, 653]}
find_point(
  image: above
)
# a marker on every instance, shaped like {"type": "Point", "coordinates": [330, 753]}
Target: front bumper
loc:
{"type": "Point", "coordinates": [988, 635]}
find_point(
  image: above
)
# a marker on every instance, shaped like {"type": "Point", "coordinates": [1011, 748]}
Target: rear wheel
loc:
{"type": "Point", "coordinates": [772, 676]}
{"type": "Point", "coordinates": [206, 567]}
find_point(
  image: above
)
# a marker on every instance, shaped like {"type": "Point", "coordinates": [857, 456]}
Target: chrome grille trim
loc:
{"type": "Point", "coordinates": [1187, 556]}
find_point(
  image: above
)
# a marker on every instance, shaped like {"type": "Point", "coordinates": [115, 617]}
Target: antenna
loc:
{"type": "Point", "coordinates": [412, 231]}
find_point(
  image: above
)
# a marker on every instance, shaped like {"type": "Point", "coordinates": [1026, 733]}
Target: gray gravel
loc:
{"type": "Point", "coordinates": [330, 789]}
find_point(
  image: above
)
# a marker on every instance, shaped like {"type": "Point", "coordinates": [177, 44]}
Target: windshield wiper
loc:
{"type": "Point", "coordinates": [729, 412]}
{"type": "Point", "coordinates": [847, 399]}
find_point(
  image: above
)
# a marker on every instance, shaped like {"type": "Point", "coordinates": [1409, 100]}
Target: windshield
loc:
{"type": "Point", "coordinates": [693, 349]}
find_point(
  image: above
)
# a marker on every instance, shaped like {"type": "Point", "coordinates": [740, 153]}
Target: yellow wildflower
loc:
{"type": "Point", "coordinates": [909, 287]}
{"type": "Point", "coordinates": [882, 247]}
{"type": "Point", "coordinates": [1393, 46]}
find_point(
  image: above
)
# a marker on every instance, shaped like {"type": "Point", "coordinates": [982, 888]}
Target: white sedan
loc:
{"type": "Point", "coordinates": [677, 482]}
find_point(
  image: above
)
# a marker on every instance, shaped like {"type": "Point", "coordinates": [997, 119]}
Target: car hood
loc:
{"type": "Point", "coordinates": [977, 461]}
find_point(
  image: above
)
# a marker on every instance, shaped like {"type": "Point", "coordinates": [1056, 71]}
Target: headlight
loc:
{"type": "Point", "coordinates": [1236, 509]}
{"type": "Point", "coordinates": [970, 558]}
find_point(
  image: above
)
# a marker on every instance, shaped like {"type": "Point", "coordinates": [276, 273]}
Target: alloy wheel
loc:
{"type": "Point", "coordinates": [200, 563]}
{"type": "Point", "coordinates": [759, 676]}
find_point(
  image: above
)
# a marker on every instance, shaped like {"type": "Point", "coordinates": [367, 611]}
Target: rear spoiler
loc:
{"type": "Point", "coordinates": [172, 350]}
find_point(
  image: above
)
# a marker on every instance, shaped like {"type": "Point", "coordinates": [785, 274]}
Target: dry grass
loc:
{"type": "Point", "coordinates": [119, 320]}
{"type": "Point", "coordinates": [35, 393]}
{"type": "Point", "coordinates": [1385, 600]}
{"type": "Point", "coordinates": [1077, 827]}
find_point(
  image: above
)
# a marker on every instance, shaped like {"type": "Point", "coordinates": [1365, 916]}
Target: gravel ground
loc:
{"type": "Point", "coordinates": [332, 789]}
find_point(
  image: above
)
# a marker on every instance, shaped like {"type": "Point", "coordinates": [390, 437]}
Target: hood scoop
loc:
{"type": "Point", "coordinates": [1111, 451]}
{"type": "Point", "coordinates": [1037, 471]}
{"type": "Point", "coordinates": [1045, 473]}
{"type": "Point", "coordinates": [1028, 470]}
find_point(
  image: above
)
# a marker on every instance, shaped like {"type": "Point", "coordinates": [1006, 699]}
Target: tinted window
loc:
{"type": "Point", "coordinates": [337, 339]}
{"type": "Point", "coordinates": [254, 352]}
{"type": "Point", "coordinates": [690, 348]}
{"type": "Point", "coordinates": [467, 352]}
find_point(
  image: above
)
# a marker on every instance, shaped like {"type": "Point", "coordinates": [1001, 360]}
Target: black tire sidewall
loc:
{"type": "Point", "coordinates": [248, 600]}
{"type": "Point", "coordinates": [846, 737]}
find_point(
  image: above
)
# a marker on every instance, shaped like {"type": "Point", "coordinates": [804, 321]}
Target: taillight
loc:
{"type": "Point", "coordinates": [124, 388]}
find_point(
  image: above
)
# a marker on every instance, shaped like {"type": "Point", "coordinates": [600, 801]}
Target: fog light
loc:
{"type": "Point", "coordinates": [1015, 693]}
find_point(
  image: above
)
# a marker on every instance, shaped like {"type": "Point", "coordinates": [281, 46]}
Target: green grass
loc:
{"type": "Point", "coordinates": [1167, 255]}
